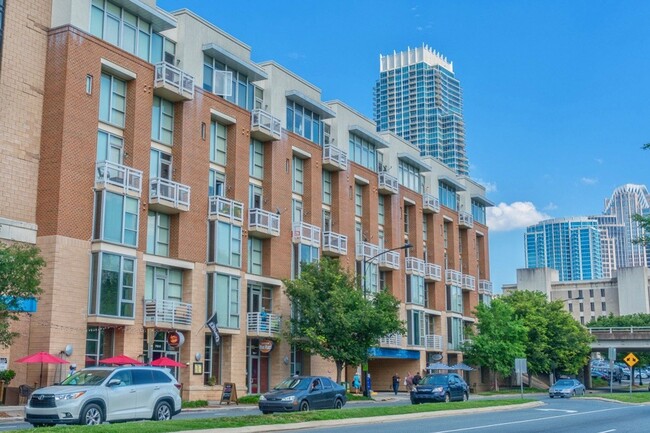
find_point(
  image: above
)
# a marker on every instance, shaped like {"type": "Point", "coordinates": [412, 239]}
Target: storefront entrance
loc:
{"type": "Point", "coordinates": [257, 377]}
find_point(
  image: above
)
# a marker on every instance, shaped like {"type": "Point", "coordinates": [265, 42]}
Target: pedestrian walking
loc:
{"type": "Point", "coordinates": [417, 378]}
{"type": "Point", "coordinates": [395, 383]}
{"type": "Point", "coordinates": [409, 381]}
{"type": "Point", "coordinates": [356, 383]}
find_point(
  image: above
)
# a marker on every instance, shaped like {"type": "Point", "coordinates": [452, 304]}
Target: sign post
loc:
{"type": "Point", "coordinates": [521, 368]}
{"type": "Point", "coordinates": [611, 355]}
{"type": "Point", "coordinates": [229, 393]}
{"type": "Point", "coordinates": [630, 360]}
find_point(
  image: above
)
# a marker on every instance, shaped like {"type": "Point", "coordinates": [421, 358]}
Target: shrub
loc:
{"type": "Point", "coordinates": [7, 376]}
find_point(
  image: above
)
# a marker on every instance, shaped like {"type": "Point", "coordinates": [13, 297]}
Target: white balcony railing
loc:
{"type": "Point", "coordinates": [304, 233]}
{"type": "Point", "coordinates": [433, 342]}
{"type": "Point", "coordinates": [174, 80]}
{"type": "Point", "coordinates": [388, 183]}
{"type": "Point", "coordinates": [126, 178]}
{"type": "Point", "coordinates": [165, 313]}
{"type": "Point", "coordinates": [169, 193]}
{"type": "Point", "coordinates": [263, 223]}
{"type": "Point", "coordinates": [431, 203]}
{"type": "Point", "coordinates": [366, 250]}
{"type": "Point", "coordinates": [262, 323]}
{"type": "Point", "coordinates": [334, 158]}
{"type": "Point", "coordinates": [393, 340]}
{"type": "Point", "coordinates": [485, 287]}
{"type": "Point", "coordinates": [432, 272]}
{"type": "Point", "coordinates": [469, 282]}
{"type": "Point", "coordinates": [264, 126]}
{"type": "Point", "coordinates": [335, 243]}
{"type": "Point", "coordinates": [453, 278]}
{"type": "Point", "coordinates": [415, 266]}
{"type": "Point", "coordinates": [465, 220]}
{"type": "Point", "coordinates": [389, 260]}
{"type": "Point", "coordinates": [226, 208]}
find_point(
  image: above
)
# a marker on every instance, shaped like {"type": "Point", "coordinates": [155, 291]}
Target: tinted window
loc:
{"type": "Point", "coordinates": [87, 377]}
{"type": "Point", "coordinates": [142, 377]}
{"type": "Point", "coordinates": [435, 379]}
{"type": "Point", "coordinates": [327, 384]}
{"type": "Point", "coordinates": [160, 377]}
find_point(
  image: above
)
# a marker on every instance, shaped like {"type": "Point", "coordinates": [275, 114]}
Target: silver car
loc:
{"type": "Point", "coordinates": [94, 395]}
{"type": "Point", "coordinates": [566, 388]}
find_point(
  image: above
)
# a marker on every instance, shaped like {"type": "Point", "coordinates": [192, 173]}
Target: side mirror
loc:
{"type": "Point", "coordinates": [113, 382]}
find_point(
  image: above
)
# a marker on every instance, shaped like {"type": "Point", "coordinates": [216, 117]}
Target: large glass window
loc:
{"type": "Point", "coordinates": [409, 176]}
{"type": "Point", "coordinates": [478, 212]}
{"type": "Point", "coordinates": [256, 168]}
{"type": "Point", "coordinates": [358, 200]}
{"type": "Point", "coordinates": [158, 227]}
{"type": "Point", "coordinates": [218, 143]}
{"type": "Point", "coordinates": [327, 187]}
{"type": "Point", "coordinates": [112, 100]}
{"type": "Point", "coordinates": [216, 182]}
{"type": "Point", "coordinates": [448, 196]}
{"type": "Point", "coordinates": [243, 91]}
{"type": "Point", "coordinates": [224, 244]}
{"type": "Point", "coordinates": [160, 165]}
{"type": "Point", "coordinates": [304, 122]}
{"type": "Point", "coordinates": [255, 256]}
{"type": "Point", "coordinates": [298, 175]}
{"type": "Point", "coordinates": [415, 289]}
{"type": "Point", "coordinates": [224, 298]}
{"type": "Point", "coordinates": [99, 343]}
{"type": "Point", "coordinates": [363, 152]}
{"type": "Point", "coordinates": [109, 147]}
{"type": "Point", "coordinates": [381, 207]}
{"type": "Point", "coordinates": [162, 121]}
{"type": "Point", "coordinates": [112, 287]}
{"type": "Point", "coordinates": [416, 327]}
{"type": "Point", "coordinates": [303, 253]}
{"type": "Point", "coordinates": [212, 361]}
{"type": "Point", "coordinates": [116, 218]}
{"type": "Point", "coordinates": [454, 333]}
{"type": "Point", "coordinates": [454, 299]}
{"type": "Point", "coordinates": [163, 284]}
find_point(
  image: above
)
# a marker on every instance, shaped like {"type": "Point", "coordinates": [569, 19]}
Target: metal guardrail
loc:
{"type": "Point", "coordinates": [366, 250]}
{"type": "Point", "coordinates": [415, 266]}
{"type": "Point", "coordinates": [167, 312]}
{"type": "Point", "coordinates": [304, 233]}
{"type": "Point", "coordinates": [227, 208]}
{"type": "Point", "coordinates": [431, 203]}
{"type": "Point", "coordinates": [127, 178]}
{"type": "Point", "coordinates": [174, 192]}
{"type": "Point", "coordinates": [262, 220]}
{"type": "Point", "coordinates": [433, 341]}
{"type": "Point", "coordinates": [262, 323]}
{"type": "Point", "coordinates": [485, 287]}
{"type": "Point", "coordinates": [335, 156]}
{"type": "Point", "coordinates": [335, 243]}
{"type": "Point", "coordinates": [469, 282]}
{"type": "Point", "coordinates": [465, 219]}
{"type": "Point", "coordinates": [388, 182]}
{"type": "Point", "coordinates": [453, 277]}
{"type": "Point", "coordinates": [432, 271]}
{"type": "Point", "coordinates": [389, 260]}
{"type": "Point", "coordinates": [265, 122]}
{"type": "Point", "coordinates": [174, 77]}
{"type": "Point", "coordinates": [393, 340]}
{"type": "Point", "coordinates": [610, 330]}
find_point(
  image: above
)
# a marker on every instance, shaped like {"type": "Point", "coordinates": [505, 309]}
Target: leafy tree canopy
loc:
{"type": "Point", "coordinates": [611, 321]}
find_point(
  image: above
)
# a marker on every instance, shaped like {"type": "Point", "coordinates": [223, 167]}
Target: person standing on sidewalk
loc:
{"type": "Point", "coordinates": [395, 383]}
{"type": "Point", "coordinates": [409, 382]}
{"type": "Point", "coordinates": [417, 378]}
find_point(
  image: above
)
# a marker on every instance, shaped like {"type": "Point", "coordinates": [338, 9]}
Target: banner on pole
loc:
{"type": "Point", "coordinates": [212, 324]}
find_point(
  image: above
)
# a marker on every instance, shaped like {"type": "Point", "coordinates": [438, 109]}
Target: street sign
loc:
{"type": "Point", "coordinates": [630, 359]}
{"type": "Point", "coordinates": [520, 366]}
{"type": "Point", "coordinates": [611, 354]}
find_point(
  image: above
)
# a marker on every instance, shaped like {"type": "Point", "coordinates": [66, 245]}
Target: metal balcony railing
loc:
{"type": "Point", "coordinates": [485, 287]}
{"type": "Point", "coordinates": [389, 260]}
{"type": "Point", "coordinates": [263, 222]}
{"type": "Point", "coordinates": [433, 342]}
{"type": "Point", "coordinates": [453, 278]}
{"type": "Point", "coordinates": [335, 243]}
{"type": "Point", "coordinates": [431, 203]}
{"type": "Point", "coordinates": [465, 220]}
{"type": "Point", "coordinates": [164, 190]}
{"type": "Point", "coordinates": [334, 158]}
{"type": "Point", "coordinates": [304, 233]}
{"type": "Point", "coordinates": [262, 323]}
{"type": "Point", "coordinates": [469, 282]}
{"type": "Point", "coordinates": [432, 272]}
{"type": "Point", "coordinates": [264, 126]}
{"type": "Point", "coordinates": [366, 250]}
{"type": "Point", "coordinates": [226, 208]}
{"type": "Point", "coordinates": [388, 183]}
{"type": "Point", "coordinates": [173, 79]}
{"type": "Point", "coordinates": [393, 340]}
{"type": "Point", "coordinates": [415, 266]}
{"type": "Point", "coordinates": [126, 178]}
{"type": "Point", "coordinates": [164, 313]}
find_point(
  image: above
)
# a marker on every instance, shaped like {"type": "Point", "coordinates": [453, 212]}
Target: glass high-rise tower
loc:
{"type": "Point", "coordinates": [418, 98]}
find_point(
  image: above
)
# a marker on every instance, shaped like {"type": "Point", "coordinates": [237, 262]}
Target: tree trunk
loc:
{"type": "Point", "coordinates": [339, 368]}
{"type": "Point", "coordinates": [496, 382]}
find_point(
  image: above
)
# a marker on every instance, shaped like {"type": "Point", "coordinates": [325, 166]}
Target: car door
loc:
{"type": "Point", "coordinates": [455, 388]}
{"type": "Point", "coordinates": [329, 393]}
{"type": "Point", "coordinates": [146, 392]}
{"type": "Point", "coordinates": [121, 396]}
{"type": "Point", "coordinates": [316, 394]}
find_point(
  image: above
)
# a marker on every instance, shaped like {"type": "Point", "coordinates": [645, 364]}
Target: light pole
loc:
{"type": "Point", "coordinates": [406, 246]}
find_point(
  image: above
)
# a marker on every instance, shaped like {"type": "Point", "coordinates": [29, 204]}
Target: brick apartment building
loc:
{"type": "Point", "coordinates": [165, 177]}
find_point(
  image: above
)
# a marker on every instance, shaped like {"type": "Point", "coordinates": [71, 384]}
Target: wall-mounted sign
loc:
{"type": "Point", "coordinates": [175, 339]}
{"type": "Point", "coordinates": [266, 346]}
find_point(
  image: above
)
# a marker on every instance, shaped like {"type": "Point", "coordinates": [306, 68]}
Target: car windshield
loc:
{"type": "Point", "coordinates": [293, 383]}
{"type": "Point", "coordinates": [561, 383]}
{"type": "Point", "coordinates": [87, 377]}
{"type": "Point", "coordinates": [436, 379]}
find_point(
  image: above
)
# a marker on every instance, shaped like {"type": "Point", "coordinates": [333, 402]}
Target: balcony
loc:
{"type": "Point", "coordinates": [469, 282]}
{"type": "Point", "coordinates": [433, 342]}
{"type": "Point", "coordinates": [415, 266]}
{"type": "Point", "coordinates": [172, 83]}
{"type": "Point", "coordinates": [453, 278]}
{"type": "Point", "coordinates": [334, 244]}
{"type": "Point", "coordinates": [485, 287]}
{"type": "Point", "coordinates": [430, 204]}
{"type": "Point", "coordinates": [366, 250]}
{"type": "Point", "coordinates": [263, 224]}
{"type": "Point", "coordinates": [118, 177]}
{"type": "Point", "coordinates": [262, 324]}
{"type": "Point", "coordinates": [304, 233]}
{"type": "Point", "coordinates": [265, 127]}
{"type": "Point", "coordinates": [388, 184]}
{"type": "Point", "coordinates": [465, 220]}
{"type": "Point", "coordinates": [168, 196]}
{"type": "Point", "coordinates": [334, 158]}
{"type": "Point", "coordinates": [224, 208]}
{"type": "Point", "coordinates": [432, 272]}
{"type": "Point", "coordinates": [164, 314]}
{"type": "Point", "coordinates": [389, 261]}
{"type": "Point", "coordinates": [393, 340]}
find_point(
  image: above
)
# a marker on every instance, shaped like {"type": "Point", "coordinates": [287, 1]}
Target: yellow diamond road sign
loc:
{"type": "Point", "coordinates": [630, 359]}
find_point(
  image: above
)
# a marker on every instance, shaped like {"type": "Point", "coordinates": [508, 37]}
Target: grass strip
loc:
{"type": "Point", "coordinates": [624, 397]}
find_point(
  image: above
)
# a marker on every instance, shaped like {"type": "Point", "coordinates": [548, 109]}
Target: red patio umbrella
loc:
{"type": "Point", "coordinates": [166, 362]}
{"type": "Point", "coordinates": [120, 360]}
{"type": "Point", "coordinates": [42, 358]}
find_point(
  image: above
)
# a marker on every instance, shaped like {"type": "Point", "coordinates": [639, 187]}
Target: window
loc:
{"type": "Point", "coordinates": [255, 196]}
{"type": "Point", "coordinates": [371, 278]}
{"type": "Point", "coordinates": [218, 143]}
{"type": "Point", "coordinates": [407, 219]}
{"type": "Point", "coordinates": [303, 253]}
{"type": "Point", "coordinates": [256, 159]}
{"type": "Point", "coordinates": [478, 212]}
{"type": "Point", "coordinates": [112, 100]}
{"type": "Point", "coordinates": [448, 196]}
{"type": "Point", "coordinates": [363, 152]}
{"type": "Point", "coordinates": [445, 234]}
{"type": "Point", "coordinates": [603, 306]}
{"type": "Point", "coordinates": [425, 228]}
{"type": "Point", "coordinates": [163, 284]}
{"type": "Point", "coordinates": [582, 307]}
{"type": "Point", "coordinates": [225, 246]}
{"type": "Point", "coordinates": [454, 333]}
{"type": "Point", "coordinates": [160, 165]}
{"type": "Point", "coordinates": [296, 211]}
{"type": "Point", "coordinates": [298, 175]}
{"type": "Point", "coordinates": [216, 182]}
{"type": "Point", "coordinates": [158, 227]}
{"type": "Point", "coordinates": [224, 298]}
{"type": "Point", "coordinates": [2, 22]}
{"type": "Point", "coordinates": [602, 293]}
{"type": "Point", "coordinates": [99, 343]}
{"type": "Point", "coordinates": [381, 209]}
{"type": "Point", "coordinates": [570, 308]}
{"type": "Point", "coordinates": [592, 306]}
{"type": "Point", "coordinates": [212, 360]}
{"type": "Point", "coordinates": [454, 299]}
{"type": "Point", "coordinates": [112, 287]}
{"type": "Point", "coordinates": [109, 147]}
{"type": "Point", "coordinates": [89, 77]}
{"type": "Point", "coordinates": [327, 187]}
{"type": "Point", "coordinates": [327, 221]}
{"type": "Point", "coordinates": [162, 120]}
{"type": "Point", "coordinates": [358, 200]}
{"type": "Point", "coordinates": [240, 90]}
{"type": "Point", "coordinates": [304, 122]}
{"type": "Point", "coordinates": [116, 218]}
{"type": "Point", "coordinates": [415, 327]}
{"type": "Point", "coordinates": [409, 176]}
{"type": "Point", "coordinates": [255, 256]}
{"type": "Point", "coordinates": [415, 289]}
{"type": "Point", "coordinates": [591, 293]}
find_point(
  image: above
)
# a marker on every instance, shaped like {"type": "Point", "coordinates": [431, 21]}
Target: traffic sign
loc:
{"type": "Point", "coordinates": [630, 359]}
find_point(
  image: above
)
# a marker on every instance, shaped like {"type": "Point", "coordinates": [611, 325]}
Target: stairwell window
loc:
{"type": "Point", "coordinates": [218, 143]}
{"type": "Point", "coordinates": [116, 218]}
{"type": "Point", "coordinates": [112, 286]}
{"type": "Point", "coordinates": [112, 100]}
{"type": "Point", "coordinates": [223, 297]}
{"type": "Point", "coordinates": [162, 121]}
{"type": "Point", "coordinates": [158, 231]}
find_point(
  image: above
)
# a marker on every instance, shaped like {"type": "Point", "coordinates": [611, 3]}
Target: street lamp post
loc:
{"type": "Point", "coordinates": [406, 246]}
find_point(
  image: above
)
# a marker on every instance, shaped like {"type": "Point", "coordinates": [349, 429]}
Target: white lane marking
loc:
{"type": "Point", "coordinates": [607, 431]}
{"type": "Point", "coordinates": [558, 410]}
{"type": "Point", "coordinates": [480, 427]}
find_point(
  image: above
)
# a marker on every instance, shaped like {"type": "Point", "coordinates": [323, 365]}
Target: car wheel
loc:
{"type": "Point", "coordinates": [415, 402]}
{"type": "Point", "coordinates": [465, 396]}
{"type": "Point", "coordinates": [91, 415]}
{"type": "Point", "coordinates": [266, 412]}
{"type": "Point", "coordinates": [304, 406]}
{"type": "Point", "coordinates": [37, 425]}
{"type": "Point", "coordinates": [550, 396]}
{"type": "Point", "coordinates": [447, 398]}
{"type": "Point", "coordinates": [162, 412]}
{"type": "Point", "coordinates": [573, 393]}
{"type": "Point", "coordinates": [338, 404]}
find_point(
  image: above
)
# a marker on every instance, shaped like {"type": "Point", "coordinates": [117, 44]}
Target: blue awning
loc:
{"type": "Point", "coordinates": [382, 352]}
{"type": "Point", "coordinates": [23, 305]}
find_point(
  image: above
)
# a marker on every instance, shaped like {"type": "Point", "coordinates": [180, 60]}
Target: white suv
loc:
{"type": "Point", "coordinates": [94, 395]}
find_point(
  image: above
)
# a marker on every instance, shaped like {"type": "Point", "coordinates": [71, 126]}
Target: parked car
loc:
{"type": "Point", "coordinates": [440, 387]}
{"type": "Point", "coordinates": [97, 394]}
{"type": "Point", "coordinates": [566, 388]}
{"type": "Point", "coordinates": [303, 393]}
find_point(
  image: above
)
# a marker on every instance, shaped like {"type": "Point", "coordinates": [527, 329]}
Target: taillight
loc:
{"type": "Point", "coordinates": [178, 386]}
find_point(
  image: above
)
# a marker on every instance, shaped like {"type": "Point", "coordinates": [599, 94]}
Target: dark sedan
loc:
{"type": "Point", "coordinates": [440, 387]}
{"type": "Point", "coordinates": [303, 393]}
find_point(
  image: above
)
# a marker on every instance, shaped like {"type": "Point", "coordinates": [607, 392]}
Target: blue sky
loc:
{"type": "Point", "coordinates": [556, 93]}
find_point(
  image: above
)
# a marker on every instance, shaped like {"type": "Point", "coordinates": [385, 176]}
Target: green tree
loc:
{"type": "Point", "coordinates": [20, 277]}
{"type": "Point", "coordinates": [500, 337]}
{"type": "Point", "coordinates": [333, 319]}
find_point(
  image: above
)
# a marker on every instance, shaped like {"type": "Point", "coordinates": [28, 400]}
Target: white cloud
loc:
{"type": "Point", "coordinates": [520, 214]}
{"type": "Point", "coordinates": [489, 186]}
{"type": "Point", "coordinates": [550, 206]}
{"type": "Point", "coordinates": [589, 180]}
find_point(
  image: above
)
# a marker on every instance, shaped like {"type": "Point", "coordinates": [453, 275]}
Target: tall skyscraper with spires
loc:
{"type": "Point", "coordinates": [418, 97]}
